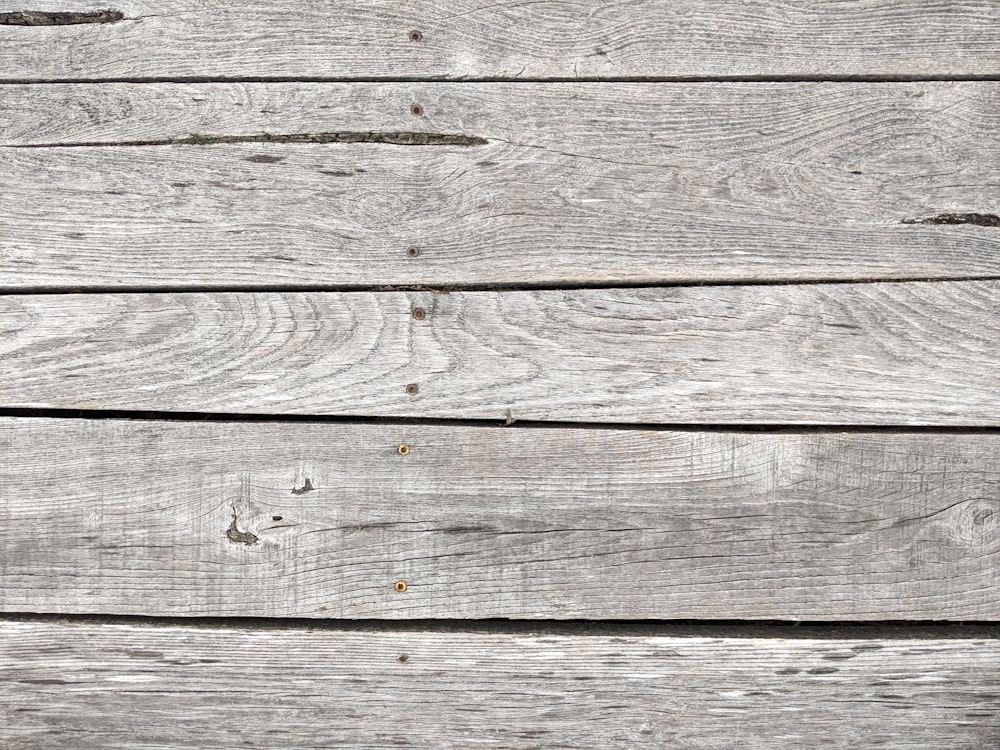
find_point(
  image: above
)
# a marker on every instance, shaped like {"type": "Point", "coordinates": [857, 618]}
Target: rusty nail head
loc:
{"type": "Point", "coordinates": [400, 586]}
{"type": "Point", "coordinates": [419, 313]}
{"type": "Point", "coordinates": [412, 252]}
{"type": "Point", "coordinates": [416, 110]}
{"type": "Point", "coordinates": [412, 389]}
{"type": "Point", "coordinates": [403, 449]}
{"type": "Point", "coordinates": [416, 36]}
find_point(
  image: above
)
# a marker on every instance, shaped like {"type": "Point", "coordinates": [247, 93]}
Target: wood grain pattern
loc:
{"type": "Point", "coordinates": [322, 520]}
{"type": "Point", "coordinates": [64, 685]}
{"type": "Point", "coordinates": [510, 39]}
{"type": "Point", "coordinates": [577, 183]}
{"type": "Point", "coordinates": [920, 353]}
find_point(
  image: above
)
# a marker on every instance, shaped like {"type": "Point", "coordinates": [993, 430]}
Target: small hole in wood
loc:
{"type": "Point", "coordinates": [416, 110]}
{"type": "Point", "coordinates": [276, 518]}
{"type": "Point", "coordinates": [400, 586]}
{"type": "Point", "coordinates": [403, 449]}
{"type": "Point", "coordinates": [412, 252]}
{"type": "Point", "coordinates": [402, 658]}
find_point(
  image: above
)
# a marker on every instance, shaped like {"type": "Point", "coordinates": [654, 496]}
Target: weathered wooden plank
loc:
{"type": "Point", "coordinates": [568, 183]}
{"type": "Point", "coordinates": [901, 353]}
{"type": "Point", "coordinates": [511, 39]}
{"type": "Point", "coordinates": [323, 520]}
{"type": "Point", "coordinates": [65, 685]}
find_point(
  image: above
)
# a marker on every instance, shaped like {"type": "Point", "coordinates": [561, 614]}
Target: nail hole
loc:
{"type": "Point", "coordinates": [403, 449]}
{"type": "Point", "coordinates": [400, 586]}
{"type": "Point", "coordinates": [276, 518]}
{"type": "Point", "coordinates": [416, 110]}
{"type": "Point", "coordinates": [416, 36]}
{"type": "Point", "coordinates": [419, 313]}
{"type": "Point", "coordinates": [402, 658]}
{"type": "Point", "coordinates": [412, 252]}
{"type": "Point", "coordinates": [412, 389]}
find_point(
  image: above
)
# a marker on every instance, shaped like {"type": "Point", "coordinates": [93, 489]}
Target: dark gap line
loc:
{"type": "Point", "coordinates": [790, 78]}
{"type": "Point", "coordinates": [499, 422]}
{"type": "Point", "coordinates": [825, 629]}
{"type": "Point", "coordinates": [485, 287]}
{"type": "Point", "coordinates": [395, 138]}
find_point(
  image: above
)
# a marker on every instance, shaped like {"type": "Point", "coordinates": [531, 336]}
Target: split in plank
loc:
{"type": "Point", "coordinates": [865, 354]}
{"type": "Point", "coordinates": [519, 184]}
{"type": "Point", "coordinates": [509, 39]}
{"type": "Point", "coordinates": [324, 520]}
{"type": "Point", "coordinates": [64, 685]}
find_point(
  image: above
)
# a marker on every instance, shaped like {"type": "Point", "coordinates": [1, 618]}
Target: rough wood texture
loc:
{"type": "Point", "coordinates": [510, 39]}
{"type": "Point", "coordinates": [322, 520]}
{"type": "Point", "coordinates": [575, 183]}
{"type": "Point", "coordinates": [65, 685]}
{"type": "Point", "coordinates": [918, 353]}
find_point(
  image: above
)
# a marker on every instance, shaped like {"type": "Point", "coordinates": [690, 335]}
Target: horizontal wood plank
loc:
{"type": "Point", "coordinates": [512, 39]}
{"type": "Point", "coordinates": [866, 354]}
{"type": "Point", "coordinates": [567, 183]}
{"type": "Point", "coordinates": [324, 520]}
{"type": "Point", "coordinates": [66, 685]}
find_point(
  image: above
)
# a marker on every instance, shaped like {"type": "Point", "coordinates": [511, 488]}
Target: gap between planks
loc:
{"type": "Point", "coordinates": [735, 427]}
{"type": "Point", "coordinates": [957, 78]}
{"type": "Point", "coordinates": [832, 630]}
{"type": "Point", "coordinates": [447, 289]}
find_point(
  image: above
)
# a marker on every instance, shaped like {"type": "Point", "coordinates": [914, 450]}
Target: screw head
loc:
{"type": "Point", "coordinates": [400, 586]}
{"type": "Point", "coordinates": [416, 36]}
{"type": "Point", "coordinates": [416, 110]}
{"type": "Point", "coordinates": [419, 313]}
{"type": "Point", "coordinates": [412, 389]}
{"type": "Point", "coordinates": [412, 252]}
{"type": "Point", "coordinates": [403, 449]}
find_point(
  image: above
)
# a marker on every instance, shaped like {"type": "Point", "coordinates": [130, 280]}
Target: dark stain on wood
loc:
{"type": "Point", "coordinates": [838, 657]}
{"type": "Point", "coordinates": [43, 18]}
{"type": "Point", "coordinates": [263, 159]}
{"type": "Point", "coordinates": [240, 537]}
{"type": "Point", "coordinates": [307, 487]}
{"type": "Point", "coordinates": [979, 220]}
{"type": "Point", "coordinates": [395, 138]}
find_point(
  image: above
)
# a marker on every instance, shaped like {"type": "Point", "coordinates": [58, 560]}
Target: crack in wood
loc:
{"type": "Point", "coordinates": [393, 138]}
{"type": "Point", "coordinates": [44, 18]}
{"type": "Point", "coordinates": [979, 220]}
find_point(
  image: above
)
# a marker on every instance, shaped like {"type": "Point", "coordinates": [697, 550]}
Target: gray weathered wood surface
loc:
{"type": "Point", "coordinates": [571, 183]}
{"type": "Point", "coordinates": [322, 520]}
{"type": "Point", "coordinates": [129, 686]}
{"type": "Point", "coordinates": [504, 211]}
{"type": "Point", "coordinates": [510, 39]}
{"type": "Point", "coordinates": [891, 353]}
